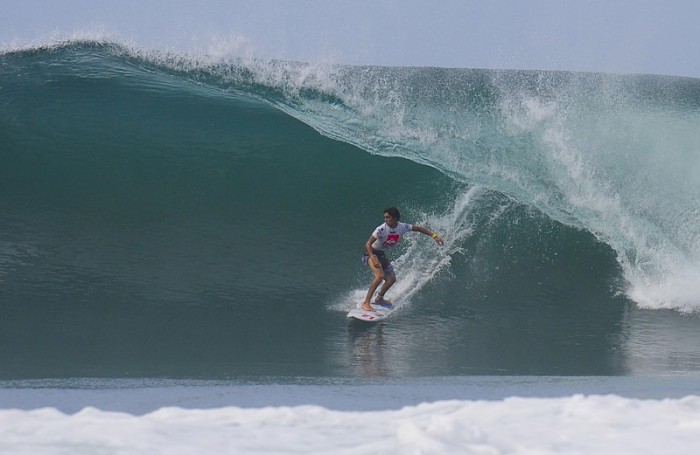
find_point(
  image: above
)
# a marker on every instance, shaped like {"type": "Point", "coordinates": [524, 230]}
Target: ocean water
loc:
{"type": "Point", "coordinates": [187, 218]}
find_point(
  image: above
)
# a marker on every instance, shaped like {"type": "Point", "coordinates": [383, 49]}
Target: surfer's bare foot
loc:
{"type": "Point", "coordinates": [366, 306]}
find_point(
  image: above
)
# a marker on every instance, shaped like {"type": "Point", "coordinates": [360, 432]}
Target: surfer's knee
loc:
{"type": "Point", "coordinates": [378, 272]}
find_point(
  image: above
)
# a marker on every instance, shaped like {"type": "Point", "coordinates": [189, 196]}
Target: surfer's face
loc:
{"type": "Point", "coordinates": [391, 222]}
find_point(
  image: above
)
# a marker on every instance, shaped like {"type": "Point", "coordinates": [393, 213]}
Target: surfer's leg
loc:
{"type": "Point", "coordinates": [389, 280]}
{"type": "Point", "coordinates": [378, 278]}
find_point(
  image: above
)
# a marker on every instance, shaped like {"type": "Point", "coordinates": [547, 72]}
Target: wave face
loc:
{"type": "Point", "coordinates": [183, 216]}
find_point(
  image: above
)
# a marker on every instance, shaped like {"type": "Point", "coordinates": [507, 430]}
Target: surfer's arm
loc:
{"type": "Point", "coordinates": [370, 251]}
{"type": "Point", "coordinates": [425, 231]}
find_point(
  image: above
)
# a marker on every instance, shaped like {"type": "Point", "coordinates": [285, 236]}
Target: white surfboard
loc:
{"type": "Point", "coordinates": [378, 314]}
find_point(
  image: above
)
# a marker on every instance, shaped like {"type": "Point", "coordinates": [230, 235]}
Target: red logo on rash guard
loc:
{"type": "Point", "coordinates": [392, 239]}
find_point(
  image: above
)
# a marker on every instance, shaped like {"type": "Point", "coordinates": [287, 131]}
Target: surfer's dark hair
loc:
{"type": "Point", "coordinates": [393, 212]}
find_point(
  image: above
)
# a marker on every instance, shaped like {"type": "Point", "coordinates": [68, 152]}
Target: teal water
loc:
{"type": "Point", "coordinates": [172, 216]}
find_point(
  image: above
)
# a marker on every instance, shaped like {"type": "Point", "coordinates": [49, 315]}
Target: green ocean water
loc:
{"type": "Point", "coordinates": [172, 216]}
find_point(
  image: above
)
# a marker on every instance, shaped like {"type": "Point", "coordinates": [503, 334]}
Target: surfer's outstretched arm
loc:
{"type": "Point", "coordinates": [426, 231]}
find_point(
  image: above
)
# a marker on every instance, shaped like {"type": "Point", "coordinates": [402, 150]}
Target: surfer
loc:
{"type": "Point", "coordinates": [386, 236]}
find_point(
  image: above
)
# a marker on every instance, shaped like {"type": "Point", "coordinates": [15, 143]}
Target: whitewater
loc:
{"type": "Point", "coordinates": [503, 415]}
{"type": "Point", "coordinates": [577, 424]}
{"type": "Point", "coordinates": [129, 183]}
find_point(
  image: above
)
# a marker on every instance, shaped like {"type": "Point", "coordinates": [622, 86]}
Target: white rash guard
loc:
{"type": "Point", "coordinates": [387, 237]}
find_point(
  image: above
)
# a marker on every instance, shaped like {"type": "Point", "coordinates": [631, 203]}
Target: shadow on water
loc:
{"type": "Point", "coordinates": [368, 348]}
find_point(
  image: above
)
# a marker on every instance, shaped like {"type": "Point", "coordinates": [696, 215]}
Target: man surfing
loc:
{"type": "Point", "coordinates": [384, 237]}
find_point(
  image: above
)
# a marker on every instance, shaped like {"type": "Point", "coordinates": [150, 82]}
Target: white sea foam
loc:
{"type": "Point", "coordinates": [621, 174]}
{"type": "Point", "coordinates": [575, 424]}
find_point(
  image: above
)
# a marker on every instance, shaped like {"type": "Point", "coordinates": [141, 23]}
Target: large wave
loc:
{"type": "Point", "coordinates": [612, 155]}
{"type": "Point", "coordinates": [157, 203]}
